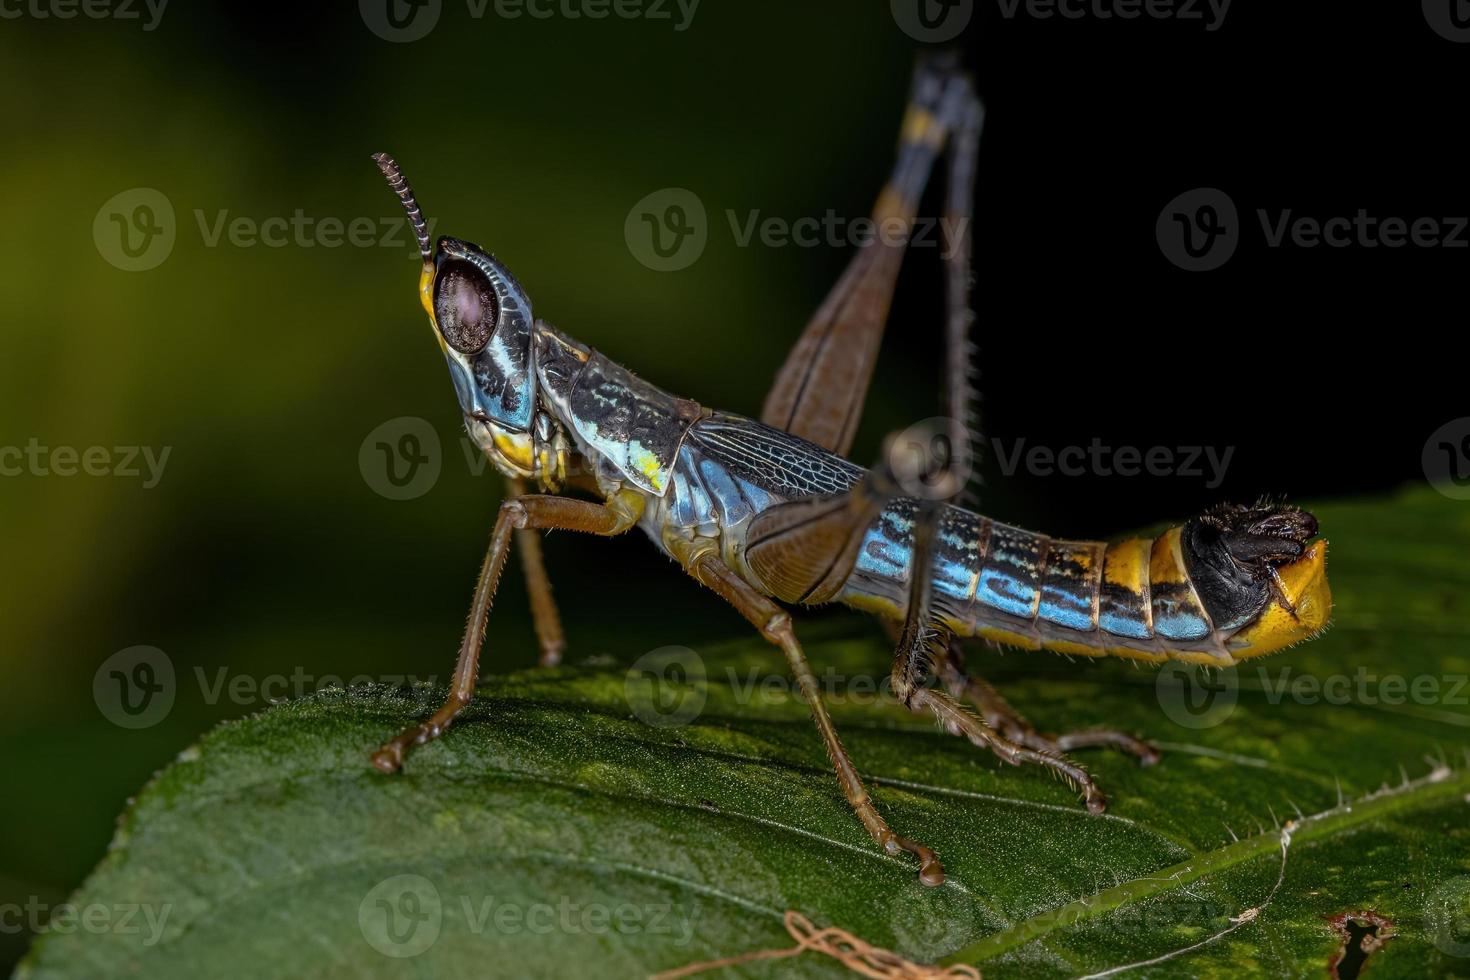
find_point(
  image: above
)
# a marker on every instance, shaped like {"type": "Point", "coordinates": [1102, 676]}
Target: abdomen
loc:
{"type": "Point", "coordinates": [1130, 598]}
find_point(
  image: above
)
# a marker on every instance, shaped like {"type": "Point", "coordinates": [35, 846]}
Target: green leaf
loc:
{"type": "Point", "coordinates": [555, 832]}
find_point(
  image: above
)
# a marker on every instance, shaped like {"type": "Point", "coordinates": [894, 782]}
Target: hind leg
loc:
{"type": "Point", "coordinates": [774, 624]}
{"type": "Point", "coordinates": [919, 646]}
{"type": "Point", "coordinates": [819, 392]}
{"type": "Point", "coordinates": [999, 715]}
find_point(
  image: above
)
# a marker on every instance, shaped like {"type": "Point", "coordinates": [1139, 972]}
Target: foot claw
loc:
{"type": "Point", "coordinates": [388, 759]}
{"type": "Point", "coordinates": [931, 872]}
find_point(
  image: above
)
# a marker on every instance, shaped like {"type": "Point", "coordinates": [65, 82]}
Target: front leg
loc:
{"type": "Point", "coordinates": [516, 514]}
{"type": "Point", "coordinates": [544, 615]}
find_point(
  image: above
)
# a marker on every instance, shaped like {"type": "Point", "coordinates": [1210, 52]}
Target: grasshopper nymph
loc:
{"type": "Point", "coordinates": [770, 511]}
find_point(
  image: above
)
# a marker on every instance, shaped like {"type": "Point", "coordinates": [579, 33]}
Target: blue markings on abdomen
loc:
{"type": "Point", "coordinates": [1010, 580]}
{"type": "Point", "coordinates": [1176, 623]}
{"type": "Point", "coordinates": [1122, 622]}
{"type": "Point", "coordinates": [1065, 608]}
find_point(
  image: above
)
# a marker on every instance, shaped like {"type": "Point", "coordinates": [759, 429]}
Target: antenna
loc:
{"type": "Point", "coordinates": [399, 183]}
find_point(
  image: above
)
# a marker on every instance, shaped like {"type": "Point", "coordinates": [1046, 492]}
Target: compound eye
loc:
{"type": "Point", "coordinates": [465, 309]}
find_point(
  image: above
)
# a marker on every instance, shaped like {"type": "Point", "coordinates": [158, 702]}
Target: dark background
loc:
{"type": "Point", "coordinates": [264, 551]}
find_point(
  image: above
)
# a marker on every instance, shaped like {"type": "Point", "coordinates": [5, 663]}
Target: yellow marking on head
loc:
{"type": "Point", "coordinates": [426, 300]}
{"type": "Point", "coordinates": [514, 447]}
{"type": "Point", "coordinates": [1305, 583]}
{"type": "Point", "coordinates": [426, 289]}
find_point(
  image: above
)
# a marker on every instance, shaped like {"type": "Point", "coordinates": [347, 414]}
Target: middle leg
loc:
{"type": "Point", "coordinates": [774, 624]}
{"type": "Point", "coordinates": [544, 615]}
